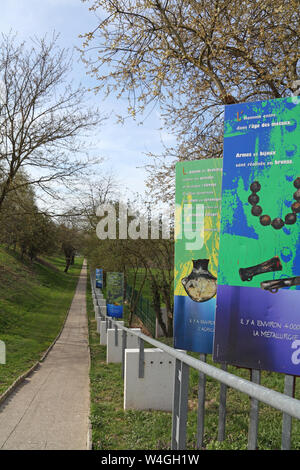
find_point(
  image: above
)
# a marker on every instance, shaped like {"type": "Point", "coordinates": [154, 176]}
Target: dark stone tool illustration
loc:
{"type": "Point", "coordinates": [276, 284]}
{"type": "Point", "coordinates": [273, 264]}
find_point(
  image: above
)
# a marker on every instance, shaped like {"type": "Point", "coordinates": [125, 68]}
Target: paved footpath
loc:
{"type": "Point", "coordinates": [50, 409]}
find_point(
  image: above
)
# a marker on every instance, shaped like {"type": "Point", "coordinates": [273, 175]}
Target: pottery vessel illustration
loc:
{"type": "Point", "coordinates": [200, 284]}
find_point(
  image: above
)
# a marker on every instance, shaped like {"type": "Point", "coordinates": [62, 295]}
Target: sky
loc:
{"type": "Point", "coordinates": [122, 146]}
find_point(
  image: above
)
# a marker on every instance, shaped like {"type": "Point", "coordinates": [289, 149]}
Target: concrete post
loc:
{"type": "Point", "coordinates": [103, 310]}
{"type": "Point", "coordinates": [103, 331]}
{"type": "Point", "coordinates": [114, 351]}
{"type": "Point", "coordinates": [155, 390]}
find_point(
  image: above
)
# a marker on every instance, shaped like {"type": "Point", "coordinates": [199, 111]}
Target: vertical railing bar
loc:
{"type": "Point", "coordinates": [176, 397]}
{"type": "Point", "coordinates": [289, 389]}
{"type": "Point", "coordinates": [183, 406]}
{"type": "Point", "coordinates": [222, 408]}
{"type": "Point", "coordinates": [201, 404]}
{"type": "Point", "coordinates": [124, 345]}
{"type": "Point", "coordinates": [254, 412]}
{"type": "Point", "coordinates": [116, 335]}
{"type": "Point", "coordinates": [95, 303]}
{"type": "Point", "coordinates": [141, 359]}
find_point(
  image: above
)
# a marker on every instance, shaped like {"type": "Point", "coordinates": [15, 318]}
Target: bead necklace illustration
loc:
{"type": "Point", "coordinates": [273, 264]}
{"type": "Point", "coordinates": [201, 285]}
{"type": "Point", "coordinates": [265, 219]}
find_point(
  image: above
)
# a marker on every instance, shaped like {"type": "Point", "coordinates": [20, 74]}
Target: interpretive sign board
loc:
{"type": "Point", "coordinates": [114, 294]}
{"type": "Point", "coordinates": [258, 294]}
{"type": "Point", "coordinates": [197, 223]}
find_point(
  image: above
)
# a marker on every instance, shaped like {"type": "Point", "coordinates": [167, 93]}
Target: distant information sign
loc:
{"type": "Point", "coordinates": [99, 278]}
{"type": "Point", "coordinates": [114, 294]}
{"type": "Point", "coordinates": [197, 222]}
{"type": "Point", "coordinates": [258, 294]}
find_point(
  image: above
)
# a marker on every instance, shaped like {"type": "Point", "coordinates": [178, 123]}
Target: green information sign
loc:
{"type": "Point", "coordinates": [197, 223]}
{"type": "Point", "coordinates": [258, 295]}
{"type": "Point", "coordinates": [115, 293]}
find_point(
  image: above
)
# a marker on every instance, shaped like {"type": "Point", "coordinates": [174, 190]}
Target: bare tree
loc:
{"type": "Point", "coordinates": [42, 117]}
{"type": "Point", "coordinates": [96, 192]}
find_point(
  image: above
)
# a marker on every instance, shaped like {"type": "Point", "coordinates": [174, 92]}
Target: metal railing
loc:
{"type": "Point", "coordinates": [284, 402]}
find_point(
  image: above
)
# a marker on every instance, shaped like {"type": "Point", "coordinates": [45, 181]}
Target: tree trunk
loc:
{"type": "Point", "coordinates": [157, 307]}
{"type": "Point", "coordinates": [68, 262]}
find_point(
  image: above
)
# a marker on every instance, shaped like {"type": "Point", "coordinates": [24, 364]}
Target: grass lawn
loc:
{"type": "Point", "coordinates": [34, 301]}
{"type": "Point", "coordinates": [114, 428]}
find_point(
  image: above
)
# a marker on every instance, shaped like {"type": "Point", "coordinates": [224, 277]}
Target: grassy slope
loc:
{"type": "Point", "coordinates": [34, 301]}
{"type": "Point", "coordinates": [114, 428]}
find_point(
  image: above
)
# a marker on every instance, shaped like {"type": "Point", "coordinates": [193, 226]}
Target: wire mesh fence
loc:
{"type": "Point", "coordinates": [143, 309]}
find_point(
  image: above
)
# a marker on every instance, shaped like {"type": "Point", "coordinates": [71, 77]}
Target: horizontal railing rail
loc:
{"type": "Point", "coordinates": [270, 397]}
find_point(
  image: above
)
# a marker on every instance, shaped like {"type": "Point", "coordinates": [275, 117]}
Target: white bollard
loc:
{"type": "Point", "coordinates": [103, 310]}
{"type": "Point", "coordinates": [102, 305]}
{"type": "Point", "coordinates": [155, 390]}
{"type": "Point", "coordinates": [96, 307]}
{"type": "Point", "coordinates": [113, 352]}
{"type": "Point", "coordinates": [98, 319]}
{"type": "Point", "coordinates": [103, 331]}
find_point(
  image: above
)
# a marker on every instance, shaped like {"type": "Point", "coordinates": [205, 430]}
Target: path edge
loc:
{"type": "Point", "coordinates": [26, 374]}
{"type": "Point", "coordinates": [89, 442]}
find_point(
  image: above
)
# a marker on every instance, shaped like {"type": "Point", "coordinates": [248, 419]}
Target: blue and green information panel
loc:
{"type": "Point", "coordinates": [257, 322]}
{"type": "Point", "coordinates": [197, 222]}
{"type": "Point", "coordinates": [99, 278]}
{"type": "Point", "coordinates": [115, 294]}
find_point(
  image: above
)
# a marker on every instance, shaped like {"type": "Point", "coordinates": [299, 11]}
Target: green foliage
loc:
{"type": "Point", "coordinates": [22, 225]}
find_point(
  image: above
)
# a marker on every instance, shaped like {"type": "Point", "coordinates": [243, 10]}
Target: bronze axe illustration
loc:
{"type": "Point", "coordinates": [273, 264]}
{"type": "Point", "coordinates": [275, 284]}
